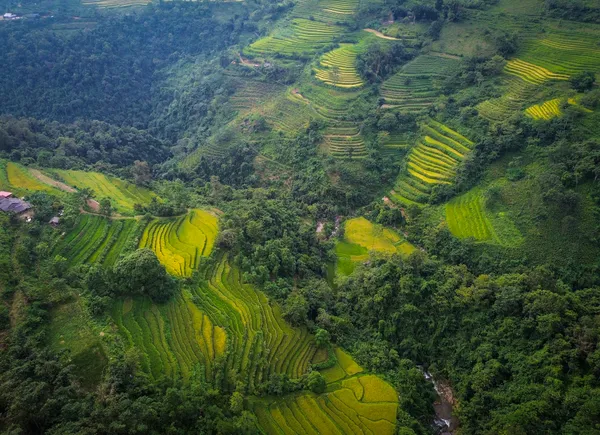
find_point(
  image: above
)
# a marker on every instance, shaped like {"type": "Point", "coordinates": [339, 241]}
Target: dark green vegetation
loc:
{"type": "Point", "coordinates": [414, 181]}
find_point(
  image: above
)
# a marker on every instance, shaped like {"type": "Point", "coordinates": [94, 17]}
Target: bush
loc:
{"type": "Point", "coordinates": [583, 81]}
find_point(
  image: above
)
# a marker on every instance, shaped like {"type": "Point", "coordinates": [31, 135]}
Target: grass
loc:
{"type": "Point", "coordinates": [362, 236]}
{"type": "Point", "coordinates": [179, 243]}
{"type": "Point", "coordinates": [123, 195]}
{"type": "Point", "coordinates": [432, 161]}
{"type": "Point", "coordinates": [69, 330]}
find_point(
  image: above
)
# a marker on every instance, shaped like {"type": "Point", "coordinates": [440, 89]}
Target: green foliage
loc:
{"type": "Point", "coordinates": [140, 273]}
{"type": "Point", "coordinates": [316, 382]}
{"type": "Point", "coordinates": [583, 81]}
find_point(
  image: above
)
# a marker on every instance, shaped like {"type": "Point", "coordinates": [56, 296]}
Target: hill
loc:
{"type": "Point", "coordinates": [320, 216]}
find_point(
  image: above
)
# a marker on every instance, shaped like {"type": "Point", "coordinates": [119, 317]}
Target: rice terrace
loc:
{"type": "Point", "coordinates": [300, 217]}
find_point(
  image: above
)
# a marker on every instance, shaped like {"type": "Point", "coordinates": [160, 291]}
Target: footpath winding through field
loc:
{"type": "Point", "coordinates": [381, 35]}
{"type": "Point", "coordinates": [92, 203]}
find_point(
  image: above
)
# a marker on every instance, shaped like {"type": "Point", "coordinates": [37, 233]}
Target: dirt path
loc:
{"type": "Point", "coordinates": [381, 35]}
{"type": "Point", "coordinates": [47, 180]}
{"type": "Point", "coordinates": [247, 62]}
{"type": "Point", "coordinates": [92, 203]}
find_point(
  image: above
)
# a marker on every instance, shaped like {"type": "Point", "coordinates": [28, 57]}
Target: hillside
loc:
{"type": "Point", "coordinates": [309, 216]}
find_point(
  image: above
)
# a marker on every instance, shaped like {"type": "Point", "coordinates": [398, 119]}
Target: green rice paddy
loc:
{"type": "Point", "coordinates": [180, 242]}
{"type": "Point", "coordinates": [432, 161]}
{"type": "Point", "coordinates": [362, 236]}
{"type": "Point", "coordinates": [123, 195]}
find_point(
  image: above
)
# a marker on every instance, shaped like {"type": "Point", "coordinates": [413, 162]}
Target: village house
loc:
{"type": "Point", "coordinates": [19, 207]}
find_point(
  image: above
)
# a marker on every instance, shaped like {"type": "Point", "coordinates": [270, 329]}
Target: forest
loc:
{"type": "Point", "coordinates": [300, 216]}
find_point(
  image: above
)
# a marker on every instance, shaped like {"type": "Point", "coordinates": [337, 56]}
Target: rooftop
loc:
{"type": "Point", "coordinates": [14, 205]}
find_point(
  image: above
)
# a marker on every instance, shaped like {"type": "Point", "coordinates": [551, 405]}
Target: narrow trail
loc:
{"type": "Point", "coordinates": [381, 35]}
{"type": "Point", "coordinates": [91, 203]}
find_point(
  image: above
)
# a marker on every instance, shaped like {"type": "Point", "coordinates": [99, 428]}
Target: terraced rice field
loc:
{"type": "Point", "coordinates": [337, 67]}
{"type": "Point", "coordinates": [259, 340]}
{"type": "Point", "coordinates": [288, 113]}
{"type": "Point", "coordinates": [414, 87]}
{"type": "Point", "coordinates": [545, 111]}
{"type": "Point", "coordinates": [17, 179]}
{"type": "Point", "coordinates": [393, 145]}
{"type": "Point", "coordinates": [301, 37]}
{"type": "Point", "coordinates": [123, 195]}
{"type": "Point", "coordinates": [173, 339]}
{"type": "Point", "coordinates": [344, 141]}
{"type": "Point", "coordinates": [252, 94]}
{"type": "Point", "coordinates": [531, 73]}
{"type": "Point", "coordinates": [467, 217]}
{"type": "Point", "coordinates": [354, 403]}
{"type": "Point", "coordinates": [431, 162]}
{"type": "Point", "coordinates": [517, 92]}
{"type": "Point", "coordinates": [327, 11]}
{"type": "Point", "coordinates": [96, 239]}
{"type": "Point", "coordinates": [342, 137]}
{"type": "Point", "coordinates": [564, 52]}
{"type": "Point", "coordinates": [179, 243]}
{"type": "Point", "coordinates": [362, 236]}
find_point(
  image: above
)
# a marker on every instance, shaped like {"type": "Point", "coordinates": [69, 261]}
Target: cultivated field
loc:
{"type": "Point", "coordinates": [180, 242]}
{"type": "Point", "coordinates": [362, 236]}
{"type": "Point", "coordinates": [414, 87]}
{"type": "Point", "coordinates": [96, 239]}
{"type": "Point", "coordinates": [260, 341]}
{"type": "Point", "coordinates": [326, 11]}
{"type": "Point", "coordinates": [17, 179]}
{"type": "Point", "coordinates": [172, 339]}
{"type": "Point", "coordinates": [123, 195]}
{"type": "Point", "coordinates": [467, 217]}
{"type": "Point", "coordinates": [431, 162]}
{"type": "Point", "coordinates": [301, 37]}
{"type": "Point", "coordinates": [353, 403]}
{"type": "Point", "coordinates": [546, 111]}
{"type": "Point", "coordinates": [337, 67]}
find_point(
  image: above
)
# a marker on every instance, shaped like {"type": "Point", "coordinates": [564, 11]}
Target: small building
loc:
{"type": "Point", "coordinates": [4, 194]}
{"type": "Point", "coordinates": [16, 206]}
{"type": "Point", "coordinates": [54, 221]}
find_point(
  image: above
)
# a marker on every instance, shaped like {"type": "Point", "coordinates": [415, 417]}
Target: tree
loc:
{"type": "Point", "coordinates": [141, 173]}
{"type": "Point", "coordinates": [105, 206]}
{"type": "Point", "coordinates": [140, 273]}
{"type": "Point", "coordinates": [583, 81]}
{"type": "Point", "coordinates": [43, 206]}
{"type": "Point", "coordinates": [322, 337]}
{"type": "Point", "coordinates": [296, 309]}
{"type": "Point", "coordinates": [236, 403]}
{"type": "Point", "coordinates": [316, 382]}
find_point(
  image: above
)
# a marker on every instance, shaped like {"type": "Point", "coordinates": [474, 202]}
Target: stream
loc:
{"type": "Point", "coordinates": [444, 422]}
